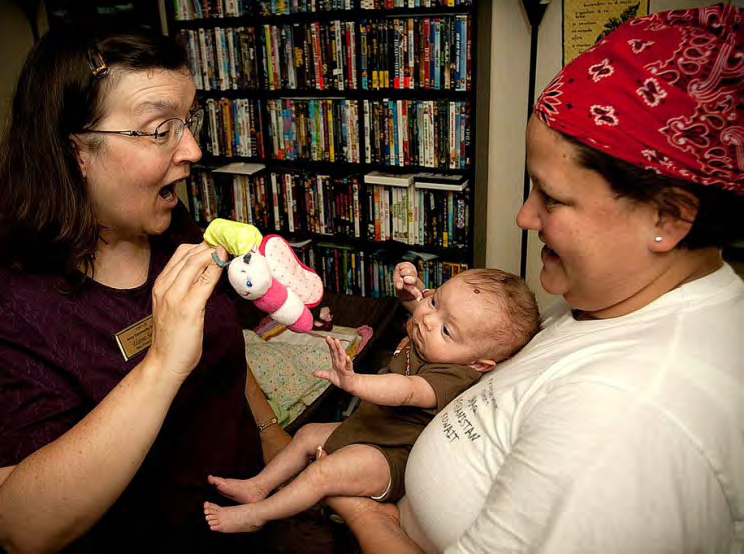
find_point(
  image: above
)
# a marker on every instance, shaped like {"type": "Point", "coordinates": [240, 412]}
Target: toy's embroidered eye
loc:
{"type": "Point", "coordinates": [248, 283]}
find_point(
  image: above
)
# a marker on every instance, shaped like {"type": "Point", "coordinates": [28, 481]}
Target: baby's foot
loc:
{"type": "Point", "coordinates": [244, 491]}
{"type": "Point", "coordinates": [231, 519]}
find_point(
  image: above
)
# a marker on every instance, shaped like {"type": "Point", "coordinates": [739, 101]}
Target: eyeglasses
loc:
{"type": "Point", "coordinates": [168, 133]}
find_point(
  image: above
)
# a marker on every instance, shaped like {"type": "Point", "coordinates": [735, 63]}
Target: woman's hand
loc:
{"type": "Point", "coordinates": [179, 298]}
{"type": "Point", "coordinates": [375, 525]}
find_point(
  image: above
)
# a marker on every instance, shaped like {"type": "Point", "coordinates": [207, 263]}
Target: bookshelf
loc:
{"type": "Point", "coordinates": [346, 126]}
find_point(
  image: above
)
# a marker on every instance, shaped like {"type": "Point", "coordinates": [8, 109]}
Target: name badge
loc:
{"type": "Point", "coordinates": [135, 338]}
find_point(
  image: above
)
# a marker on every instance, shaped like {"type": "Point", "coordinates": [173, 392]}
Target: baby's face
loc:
{"type": "Point", "coordinates": [450, 326]}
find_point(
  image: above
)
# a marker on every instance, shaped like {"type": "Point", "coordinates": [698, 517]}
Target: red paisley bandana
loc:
{"type": "Point", "coordinates": [664, 91]}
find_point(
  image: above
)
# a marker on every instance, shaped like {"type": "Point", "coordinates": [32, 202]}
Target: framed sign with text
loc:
{"type": "Point", "coordinates": [586, 21]}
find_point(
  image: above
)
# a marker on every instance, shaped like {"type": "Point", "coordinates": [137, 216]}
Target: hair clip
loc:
{"type": "Point", "coordinates": [97, 66]}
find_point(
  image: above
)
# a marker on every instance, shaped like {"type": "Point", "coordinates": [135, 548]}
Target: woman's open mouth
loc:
{"type": "Point", "coordinates": [548, 253]}
{"type": "Point", "coordinates": [168, 193]}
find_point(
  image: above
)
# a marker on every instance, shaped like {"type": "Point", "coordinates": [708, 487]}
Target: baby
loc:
{"type": "Point", "coordinates": [476, 319]}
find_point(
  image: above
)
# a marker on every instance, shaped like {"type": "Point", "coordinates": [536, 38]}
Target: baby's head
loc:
{"type": "Point", "coordinates": [477, 318]}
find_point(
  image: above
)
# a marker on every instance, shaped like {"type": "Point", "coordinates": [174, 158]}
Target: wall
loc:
{"type": "Point", "coordinates": [500, 128]}
{"type": "Point", "coordinates": [16, 40]}
{"type": "Point", "coordinates": [163, 17]}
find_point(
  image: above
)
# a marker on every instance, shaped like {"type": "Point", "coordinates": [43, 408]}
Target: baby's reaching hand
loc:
{"type": "Point", "coordinates": [342, 375]}
{"type": "Point", "coordinates": [406, 282]}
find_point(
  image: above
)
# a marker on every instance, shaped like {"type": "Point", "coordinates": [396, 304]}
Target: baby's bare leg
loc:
{"type": "Point", "coordinates": [289, 462]}
{"type": "Point", "coordinates": [355, 470]}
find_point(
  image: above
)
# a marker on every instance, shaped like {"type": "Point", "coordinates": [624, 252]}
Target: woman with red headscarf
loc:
{"type": "Point", "coordinates": [620, 427]}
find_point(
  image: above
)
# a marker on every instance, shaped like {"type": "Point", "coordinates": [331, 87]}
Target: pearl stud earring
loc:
{"type": "Point", "coordinates": [657, 238]}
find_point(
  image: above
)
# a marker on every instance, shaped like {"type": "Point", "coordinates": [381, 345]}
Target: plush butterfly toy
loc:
{"type": "Point", "coordinates": [267, 271]}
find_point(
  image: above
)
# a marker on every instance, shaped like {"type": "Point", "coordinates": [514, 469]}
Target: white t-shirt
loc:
{"type": "Point", "coordinates": [618, 435]}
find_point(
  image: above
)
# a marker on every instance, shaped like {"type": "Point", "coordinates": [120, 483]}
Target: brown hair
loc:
{"type": "Point", "coordinates": [512, 297]}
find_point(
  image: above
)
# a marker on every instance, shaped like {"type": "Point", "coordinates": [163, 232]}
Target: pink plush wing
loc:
{"type": "Point", "coordinates": [290, 271]}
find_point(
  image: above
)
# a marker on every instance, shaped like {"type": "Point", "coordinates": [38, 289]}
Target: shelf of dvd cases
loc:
{"type": "Point", "coordinates": [303, 204]}
{"type": "Point", "coordinates": [325, 94]}
{"type": "Point", "coordinates": [422, 52]}
{"type": "Point", "coordinates": [401, 133]}
{"type": "Point", "coordinates": [188, 11]}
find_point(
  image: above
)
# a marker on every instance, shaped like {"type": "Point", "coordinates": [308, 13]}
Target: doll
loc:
{"type": "Point", "coordinates": [267, 271]}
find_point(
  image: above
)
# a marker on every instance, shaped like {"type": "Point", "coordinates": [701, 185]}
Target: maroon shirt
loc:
{"type": "Point", "coordinates": [59, 358]}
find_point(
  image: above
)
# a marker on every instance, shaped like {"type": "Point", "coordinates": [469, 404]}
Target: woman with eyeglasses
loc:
{"type": "Point", "coordinates": [122, 371]}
